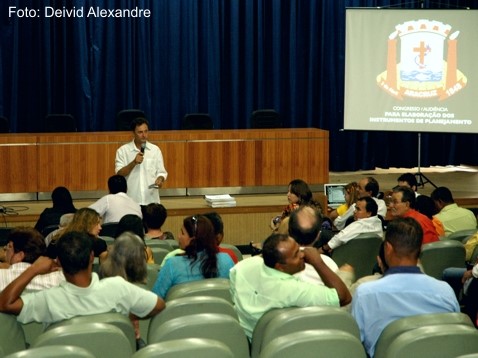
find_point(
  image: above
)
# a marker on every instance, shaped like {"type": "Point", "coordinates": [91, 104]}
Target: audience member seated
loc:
{"type": "Point", "coordinates": [154, 216]}
{"type": "Point", "coordinates": [410, 181]}
{"type": "Point", "coordinates": [304, 227]}
{"type": "Point", "coordinates": [65, 220]}
{"type": "Point", "coordinates": [134, 224]}
{"type": "Point", "coordinates": [367, 186]}
{"type": "Point", "coordinates": [351, 196]}
{"type": "Point", "coordinates": [218, 226]}
{"type": "Point", "coordinates": [117, 203]}
{"type": "Point", "coordinates": [450, 214]}
{"type": "Point", "coordinates": [201, 258]}
{"type": "Point", "coordinates": [127, 259]}
{"type": "Point", "coordinates": [62, 204]}
{"type": "Point", "coordinates": [24, 246]}
{"type": "Point", "coordinates": [365, 221]}
{"type": "Point", "coordinates": [88, 221]}
{"type": "Point", "coordinates": [259, 284]}
{"type": "Point", "coordinates": [403, 205]}
{"type": "Point", "coordinates": [298, 194]}
{"type": "Point", "coordinates": [425, 205]}
{"type": "Point", "coordinates": [82, 294]}
{"type": "Point", "coordinates": [404, 290]}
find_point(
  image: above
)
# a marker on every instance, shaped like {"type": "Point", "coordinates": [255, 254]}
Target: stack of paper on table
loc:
{"type": "Point", "coordinates": [220, 201]}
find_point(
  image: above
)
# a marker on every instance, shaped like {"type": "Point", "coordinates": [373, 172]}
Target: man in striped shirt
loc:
{"type": "Point", "coordinates": [24, 246]}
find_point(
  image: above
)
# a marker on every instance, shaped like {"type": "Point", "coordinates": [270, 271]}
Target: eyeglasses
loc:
{"type": "Point", "coordinates": [195, 222]}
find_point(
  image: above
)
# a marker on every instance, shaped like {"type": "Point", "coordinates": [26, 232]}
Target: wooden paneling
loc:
{"type": "Point", "coordinates": [194, 159]}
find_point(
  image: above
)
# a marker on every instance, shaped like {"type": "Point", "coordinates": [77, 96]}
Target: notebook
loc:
{"type": "Point", "coordinates": [335, 195]}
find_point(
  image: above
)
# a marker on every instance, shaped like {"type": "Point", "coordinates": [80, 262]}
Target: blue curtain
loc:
{"type": "Point", "coordinates": [223, 57]}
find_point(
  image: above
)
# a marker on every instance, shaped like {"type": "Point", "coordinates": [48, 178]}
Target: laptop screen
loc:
{"type": "Point", "coordinates": [335, 194]}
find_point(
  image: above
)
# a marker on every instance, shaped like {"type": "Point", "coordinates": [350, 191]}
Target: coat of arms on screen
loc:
{"type": "Point", "coordinates": [426, 69]}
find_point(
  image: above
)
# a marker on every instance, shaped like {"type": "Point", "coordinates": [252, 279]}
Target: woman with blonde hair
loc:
{"type": "Point", "coordinates": [351, 196]}
{"type": "Point", "coordinates": [88, 221]}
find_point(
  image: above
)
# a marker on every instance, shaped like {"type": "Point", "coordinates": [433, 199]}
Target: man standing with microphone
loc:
{"type": "Point", "coordinates": [141, 162]}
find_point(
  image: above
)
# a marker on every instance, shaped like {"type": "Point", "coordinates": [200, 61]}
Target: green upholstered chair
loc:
{"type": "Point", "coordinates": [12, 338]}
{"type": "Point", "coordinates": [56, 351]}
{"type": "Point", "coordinates": [402, 325]}
{"type": "Point", "coordinates": [442, 340]}
{"type": "Point", "coordinates": [218, 287]}
{"type": "Point", "coordinates": [315, 343]}
{"type": "Point", "coordinates": [360, 252]}
{"type": "Point", "coordinates": [220, 327]}
{"type": "Point", "coordinates": [93, 331]}
{"type": "Point", "coordinates": [186, 348]}
{"type": "Point", "coordinates": [439, 255]}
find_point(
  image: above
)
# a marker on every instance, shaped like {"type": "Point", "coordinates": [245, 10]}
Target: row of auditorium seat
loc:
{"type": "Point", "coordinates": [210, 324]}
{"type": "Point", "coordinates": [65, 122]}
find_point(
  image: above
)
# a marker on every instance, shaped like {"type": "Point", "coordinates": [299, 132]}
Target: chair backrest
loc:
{"type": "Point", "coordinates": [153, 270]}
{"type": "Point", "coordinates": [159, 253]}
{"type": "Point", "coordinates": [185, 306]}
{"type": "Point", "coordinates": [265, 118]}
{"type": "Point", "coordinates": [159, 243]}
{"type": "Point", "coordinates": [32, 330]}
{"type": "Point", "coordinates": [402, 325]}
{"type": "Point", "coordinates": [221, 327]}
{"type": "Point", "coordinates": [315, 343]}
{"type": "Point", "coordinates": [439, 255]}
{"type": "Point", "coordinates": [461, 235]}
{"type": "Point", "coordinates": [186, 348]}
{"type": "Point", "coordinates": [63, 122]}
{"type": "Point", "coordinates": [217, 287]}
{"type": "Point", "coordinates": [102, 339]}
{"type": "Point", "coordinates": [4, 125]}
{"type": "Point", "coordinates": [305, 318]}
{"type": "Point", "coordinates": [125, 117]}
{"type": "Point", "coordinates": [425, 342]}
{"type": "Point", "coordinates": [360, 252]}
{"type": "Point", "coordinates": [54, 351]}
{"type": "Point", "coordinates": [197, 121]}
{"type": "Point", "coordinates": [12, 338]}
{"type": "Point", "coordinates": [113, 318]}
{"type": "Point", "coordinates": [233, 248]}
{"type": "Point", "coordinates": [173, 243]}
{"type": "Point", "coordinates": [109, 229]}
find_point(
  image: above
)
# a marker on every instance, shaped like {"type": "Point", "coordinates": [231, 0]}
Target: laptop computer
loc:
{"type": "Point", "coordinates": [335, 195]}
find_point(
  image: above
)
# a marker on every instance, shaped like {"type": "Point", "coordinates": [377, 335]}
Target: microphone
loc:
{"type": "Point", "coordinates": [143, 146]}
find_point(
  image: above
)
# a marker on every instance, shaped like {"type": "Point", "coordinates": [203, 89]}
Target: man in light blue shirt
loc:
{"type": "Point", "coordinates": [404, 290]}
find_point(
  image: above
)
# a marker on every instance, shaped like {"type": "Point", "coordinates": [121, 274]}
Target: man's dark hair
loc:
{"type": "Point", "coordinates": [304, 236]}
{"type": "Point", "coordinates": [28, 240]}
{"type": "Point", "coordinates": [270, 251]}
{"type": "Point", "coordinates": [372, 186]}
{"type": "Point", "coordinates": [216, 222]}
{"type": "Point", "coordinates": [74, 250]}
{"type": "Point", "coordinates": [138, 122]}
{"type": "Point", "coordinates": [408, 195]}
{"type": "Point", "coordinates": [154, 215]}
{"type": "Point", "coordinates": [370, 205]}
{"type": "Point", "coordinates": [409, 178]}
{"type": "Point", "coordinates": [442, 194]}
{"type": "Point", "coordinates": [406, 237]}
{"type": "Point", "coordinates": [117, 184]}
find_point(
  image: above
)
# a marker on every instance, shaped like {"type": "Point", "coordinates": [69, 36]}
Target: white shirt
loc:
{"type": "Point", "coordinates": [39, 282]}
{"type": "Point", "coordinates": [113, 207]}
{"type": "Point", "coordinates": [143, 175]}
{"type": "Point", "coordinates": [310, 274]}
{"type": "Point", "coordinates": [340, 221]}
{"type": "Point", "coordinates": [371, 225]}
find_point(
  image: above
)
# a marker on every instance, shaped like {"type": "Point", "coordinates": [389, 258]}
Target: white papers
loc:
{"type": "Point", "coordinates": [220, 201]}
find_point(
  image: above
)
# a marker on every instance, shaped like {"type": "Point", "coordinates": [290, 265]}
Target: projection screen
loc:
{"type": "Point", "coordinates": [411, 70]}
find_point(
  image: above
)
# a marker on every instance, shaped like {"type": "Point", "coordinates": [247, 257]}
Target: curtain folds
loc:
{"type": "Point", "coordinates": [223, 57]}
